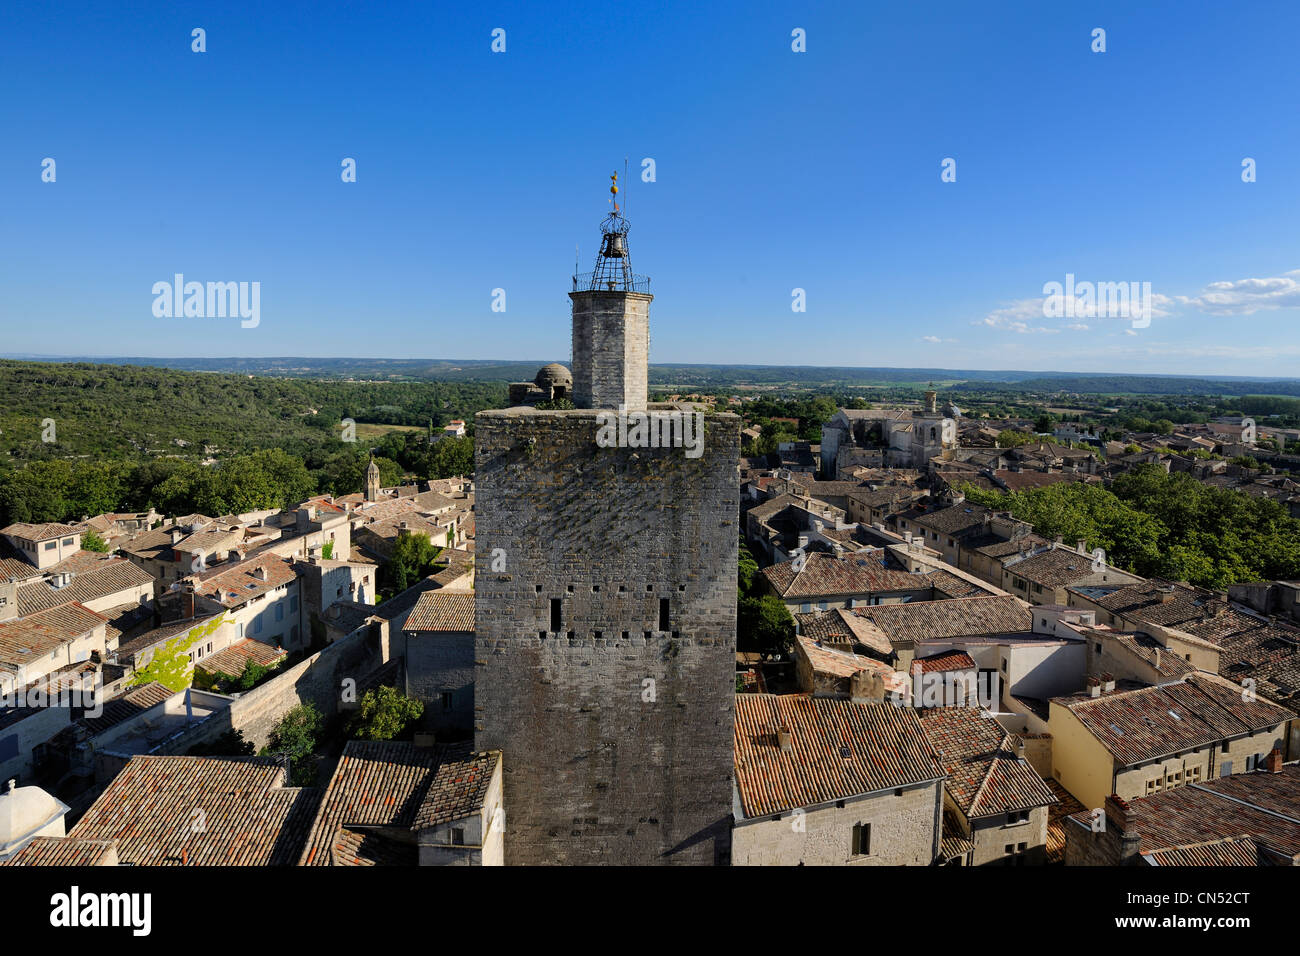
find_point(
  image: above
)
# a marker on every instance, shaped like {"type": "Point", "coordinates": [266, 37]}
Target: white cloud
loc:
{"type": "Point", "coordinates": [1247, 296]}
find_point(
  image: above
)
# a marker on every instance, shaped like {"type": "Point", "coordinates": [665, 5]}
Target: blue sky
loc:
{"type": "Point", "coordinates": [775, 170]}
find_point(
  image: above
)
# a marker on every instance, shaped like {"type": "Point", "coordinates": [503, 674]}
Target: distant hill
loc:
{"type": "Point", "coordinates": [714, 376]}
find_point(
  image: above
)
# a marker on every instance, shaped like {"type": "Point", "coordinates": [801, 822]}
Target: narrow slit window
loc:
{"type": "Point", "coordinates": [556, 617]}
{"type": "Point", "coordinates": [663, 614]}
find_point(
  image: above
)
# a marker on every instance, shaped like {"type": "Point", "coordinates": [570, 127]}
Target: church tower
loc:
{"type": "Point", "coordinates": [605, 606]}
{"type": "Point", "coordinates": [372, 481]}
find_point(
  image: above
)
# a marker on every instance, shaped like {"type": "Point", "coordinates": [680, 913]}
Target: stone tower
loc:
{"type": "Point", "coordinates": [372, 481]}
{"type": "Point", "coordinates": [611, 326]}
{"type": "Point", "coordinates": [934, 435]}
{"type": "Point", "coordinates": [605, 607]}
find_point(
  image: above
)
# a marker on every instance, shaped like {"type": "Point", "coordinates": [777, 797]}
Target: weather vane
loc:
{"type": "Point", "coordinates": [613, 191]}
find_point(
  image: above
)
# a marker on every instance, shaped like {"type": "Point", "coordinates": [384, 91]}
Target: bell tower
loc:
{"type": "Point", "coordinates": [611, 323]}
{"type": "Point", "coordinates": [372, 481]}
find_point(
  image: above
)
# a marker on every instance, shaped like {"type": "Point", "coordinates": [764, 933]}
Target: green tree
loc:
{"type": "Point", "coordinates": [295, 737]}
{"type": "Point", "coordinates": [90, 541]}
{"type": "Point", "coordinates": [229, 744]}
{"type": "Point", "coordinates": [413, 557]}
{"type": "Point", "coordinates": [1009, 438]}
{"type": "Point", "coordinates": [746, 570]}
{"type": "Point", "coordinates": [451, 457]}
{"type": "Point", "coordinates": [385, 713]}
{"type": "Point", "coordinates": [764, 624]}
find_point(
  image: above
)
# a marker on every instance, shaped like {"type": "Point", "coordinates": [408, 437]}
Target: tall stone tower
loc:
{"type": "Point", "coordinates": [611, 326]}
{"type": "Point", "coordinates": [372, 481]}
{"type": "Point", "coordinates": [605, 606]}
{"type": "Point", "coordinates": [934, 435]}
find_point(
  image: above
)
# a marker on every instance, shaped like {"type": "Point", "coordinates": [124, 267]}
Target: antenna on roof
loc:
{"type": "Point", "coordinates": [282, 757]}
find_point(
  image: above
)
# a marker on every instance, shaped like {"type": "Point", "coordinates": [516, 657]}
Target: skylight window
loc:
{"type": "Point", "coordinates": [1174, 715]}
{"type": "Point", "coordinates": [1117, 731]}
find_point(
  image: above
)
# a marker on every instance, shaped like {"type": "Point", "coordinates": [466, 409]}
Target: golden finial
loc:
{"type": "Point", "coordinates": [613, 191]}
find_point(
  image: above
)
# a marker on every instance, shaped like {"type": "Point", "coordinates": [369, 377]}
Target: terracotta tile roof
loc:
{"type": "Point", "coordinates": [100, 579]}
{"type": "Point", "coordinates": [947, 661]}
{"type": "Point", "coordinates": [25, 639]}
{"type": "Point", "coordinates": [62, 851]}
{"type": "Point", "coordinates": [840, 749]}
{"type": "Point", "coordinates": [17, 569]}
{"type": "Point", "coordinates": [1065, 806]}
{"type": "Point", "coordinates": [948, 585]}
{"type": "Point", "coordinates": [931, 620]}
{"type": "Point", "coordinates": [232, 660]}
{"type": "Point", "coordinates": [985, 778]}
{"type": "Point", "coordinates": [250, 818]}
{"type": "Point", "coordinates": [398, 785]}
{"type": "Point", "coordinates": [955, 843]}
{"type": "Point", "coordinates": [1262, 805]}
{"type": "Point", "coordinates": [369, 848]}
{"type": "Point", "coordinates": [843, 627]}
{"type": "Point", "coordinates": [826, 575]}
{"type": "Point", "coordinates": [38, 532]}
{"type": "Point", "coordinates": [998, 547]}
{"type": "Point", "coordinates": [125, 706]}
{"type": "Point", "coordinates": [1015, 481]}
{"type": "Point", "coordinates": [237, 585]}
{"type": "Point", "coordinates": [1230, 851]}
{"type": "Point", "coordinates": [955, 519]}
{"type": "Point", "coordinates": [442, 611]}
{"type": "Point", "coordinates": [841, 663]}
{"type": "Point", "coordinates": [1152, 722]}
{"type": "Point", "coordinates": [1053, 569]}
{"type": "Point", "coordinates": [154, 544]}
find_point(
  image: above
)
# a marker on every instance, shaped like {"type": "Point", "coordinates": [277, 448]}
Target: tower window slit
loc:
{"type": "Point", "coordinates": [556, 617]}
{"type": "Point", "coordinates": [663, 614]}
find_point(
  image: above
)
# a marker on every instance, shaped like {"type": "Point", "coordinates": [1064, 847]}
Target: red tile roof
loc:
{"type": "Point", "coordinates": [391, 784]}
{"type": "Point", "coordinates": [442, 611]}
{"type": "Point", "coordinates": [62, 851]}
{"type": "Point", "coordinates": [839, 749]}
{"type": "Point", "coordinates": [249, 817]}
{"type": "Point", "coordinates": [825, 574]}
{"type": "Point", "coordinates": [985, 777]}
{"type": "Point", "coordinates": [1152, 722]}
{"type": "Point", "coordinates": [947, 661]}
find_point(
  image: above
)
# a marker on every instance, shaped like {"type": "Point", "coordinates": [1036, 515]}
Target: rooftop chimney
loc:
{"type": "Point", "coordinates": [1083, 546]}
{"type": "Point", "coordinates": [1273, 762]}
{"type": "Point", "coordinates": [1117, 812]}
{"type": "Point", "coordinates": [785, 739]}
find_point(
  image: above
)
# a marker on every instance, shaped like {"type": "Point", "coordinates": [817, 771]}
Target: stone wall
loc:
{"type": "Point", "coordinates": [318, 678]}
{"type": "Point", "coordinates": [904, 832]}
{"type": "Point", "coordinates": [611, 349]}
{"type": "Point", "coordinates": [616, 733]}
{"type": "Point", "coordinates": [437, 663]}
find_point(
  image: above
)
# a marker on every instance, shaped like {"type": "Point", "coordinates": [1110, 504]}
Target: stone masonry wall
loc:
{"type": "Point", "coordinates": [617, 736]}
{"type": "Point", "coordinates": [904, 832]}
{"type": "Point", "coordinates": [611, 349]}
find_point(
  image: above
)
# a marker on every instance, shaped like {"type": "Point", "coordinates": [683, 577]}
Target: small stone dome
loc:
{"type": "Point", "coordinates": [554, 375]}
